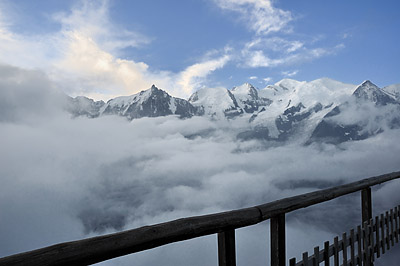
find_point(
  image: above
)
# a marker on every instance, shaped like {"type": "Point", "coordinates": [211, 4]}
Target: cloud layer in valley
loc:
{"type": "Point", "coordinates": [65, 179]}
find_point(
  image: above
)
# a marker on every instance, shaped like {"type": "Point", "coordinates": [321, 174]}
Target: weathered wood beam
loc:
{"type": "Point", "coordinates": [101, 248]}
{"type": "Point", "coordinates": [286, 205]}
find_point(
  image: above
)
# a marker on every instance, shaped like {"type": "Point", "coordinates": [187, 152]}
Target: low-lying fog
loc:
{"type": "Point", "coordinates": [65, 179]}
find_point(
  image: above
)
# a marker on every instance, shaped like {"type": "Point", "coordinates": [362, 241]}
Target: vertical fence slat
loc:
{"type": "Point", "coordinates": [326, 253]}
{"type": "Point", "coordinates": [226, 248]}
{"type": "Point", "coordinates": [316, 256]}
{"type": "Point", "coordinates": [305, 258]}
{"type": "Point", "coordinates": [382, 225]}
{"type": "Point", "coordinates": [278, 237]}
{"type": "Point", "coordinates": [370, 261]}
{"type": "Point", "coordinates": [344, 249]}
{"type": "Point", "coordinates": [398, 221]}
{"type": "Point", "coordinates": [387, 231]}
{"type": "Point", "coordinates": [396, 226]}
{"type": "Point", "coordinates": [365, 243]}
{"type": "Point", "coordinates": [336, 251]}
{"type": "Point", "coordinates": [391, 227]}
{"type": "Point", "coordinates": [371, 243]}
{"type": "Point", "coordinates": [352, 253]}
{"type": "Point", "coordinates": [292, 262]}
{"type": "Point", "coordinates": [378, 242]}
{"type": "Point", "coordinates": [359, 245]}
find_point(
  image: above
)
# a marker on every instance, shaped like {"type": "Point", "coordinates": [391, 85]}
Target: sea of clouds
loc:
{"type": "Point", "coordinates": [66, 178]}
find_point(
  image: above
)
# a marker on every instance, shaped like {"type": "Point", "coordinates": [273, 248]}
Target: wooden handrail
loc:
{"type": "Point", "coordinates": [101, 248]}
{"type": "Point", "coordinates": [286, 205]}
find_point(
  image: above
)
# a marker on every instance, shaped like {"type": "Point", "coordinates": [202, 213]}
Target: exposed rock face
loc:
{"type": "Point", "coordinates": [248, 99]}
{"type": "Point", "coordinates": [368, 91]}
{"type": "Point", "coordinates": [150, 103]}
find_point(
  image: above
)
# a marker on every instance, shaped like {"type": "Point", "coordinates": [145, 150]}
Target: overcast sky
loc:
{"type": "Point", "coordinates": [107, 48]}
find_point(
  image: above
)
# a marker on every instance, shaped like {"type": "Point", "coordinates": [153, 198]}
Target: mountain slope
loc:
{"type": "Point", "coordinates": [369, 112]}
{"type": "Point", "coordinates": [393, 90]}
{"type": "Point", "coordinates": [248, 98]}
{"type": "Point", "coordinates": [216, 102]}
{"type": "Point", "coordinates": [149, 103]}
{"type": "Point", "coordinates": [368, 91]}
{"type": "Point", "coordinates": [297, 107]}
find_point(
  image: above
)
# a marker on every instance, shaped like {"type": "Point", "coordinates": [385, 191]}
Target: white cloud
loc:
{"type": "Point", "coordinates": [90, 68]}
{"type": "Point", "coordinates": [294, 46]}
{"type": "Point", "coordinates": [190, 79]}
{"type": "Point", "coordinates": [82, 58]}
{"type": "Point", "coordinates": [259, 58]}
{"type": "Point", "coordinates": [276, 44]}
{"type": "Point", "coordinates": [267, 79]}
{"type": "Point", "coordinates": [290, 73]}
{"type": "Point", "coordinates": [269, 47]}
{"type": "Point", "coordinates": [253, 77]}
{"type": "Point", "coordinates": [260, 15]}
{"type": "Point", "coordinates": [91, 18]}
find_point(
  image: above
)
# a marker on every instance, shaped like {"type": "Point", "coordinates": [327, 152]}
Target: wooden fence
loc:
{"type": "Point", "coordinates": [374, 237]}
{"type": "Point", "coordinates": [101, 248]}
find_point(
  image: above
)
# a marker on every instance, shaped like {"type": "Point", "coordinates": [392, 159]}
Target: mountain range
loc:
{"type": "Point", "coordinates": [323, 110]}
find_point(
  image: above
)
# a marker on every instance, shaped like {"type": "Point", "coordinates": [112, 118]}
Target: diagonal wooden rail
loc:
{"type": "Point", "coordinates": [101, 248]}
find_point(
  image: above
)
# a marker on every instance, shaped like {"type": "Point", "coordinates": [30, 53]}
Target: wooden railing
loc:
{"type": "Point", "coordinates": [101, 248]}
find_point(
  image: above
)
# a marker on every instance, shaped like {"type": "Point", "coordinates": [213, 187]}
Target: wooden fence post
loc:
{"type": "Point", "coordinates": [278, 239]}
{"type": "Point", "coordinates": [366, 212]}
{"type": "Point", "coordinates": [226, 248]}
{"type": "Point", "coordinates": [366, 204]}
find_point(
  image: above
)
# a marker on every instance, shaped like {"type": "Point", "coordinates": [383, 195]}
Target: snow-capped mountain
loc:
{"type": "Point", "coordinates": [297, 107]}
{"type": "Point", "coordinates": [370, 113]}
{"type": "Point", "coordinates": [248, 98]}
{"type": "Point", "coordinates": [393, 90]}
{"type": "Point", "coordinates": [323, 110]}
{"type": "Point", "coordinates": [150, 103]}
{"type": "Point", "coordinates": [216, 102]}
{"type": "Point", "coordinates": [368, 91]}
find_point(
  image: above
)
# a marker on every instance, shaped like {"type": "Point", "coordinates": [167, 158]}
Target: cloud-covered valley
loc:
{"type": "Point", "coordinates": [66, 178]}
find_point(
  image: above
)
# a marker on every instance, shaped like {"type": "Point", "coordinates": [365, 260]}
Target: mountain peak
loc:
{"type": "Point", "coordinates": [248, 85]}
{"type": "Point", "coordinates": [289, 84]}
{"type": "Point", "coordinates": [368, 83]}
{"type": "Point", "coordinates": [154, 88]}
{"type": "Point", "coordinates": [245, 88]}
{"type": "Point", "coordinates": [217, 102]}
{"type": "Point", "coordinates": [368, 91]}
